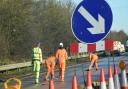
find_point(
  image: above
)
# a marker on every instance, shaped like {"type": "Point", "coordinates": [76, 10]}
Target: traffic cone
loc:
{"type": "Point", "coordinates": [116, 78]}
{"type": "Point", "coordinates": [88, 81]}
{"type": "Point", "coordinates": [123, 80]}
{"type": "Point", "coordinates": [110, 80]}
{"type": "Point", "coordinates": [51, 84]}
{"type": "Point", "coordinates": [102, 80]}
{"type": "Point", "coordinates": [74, 82]}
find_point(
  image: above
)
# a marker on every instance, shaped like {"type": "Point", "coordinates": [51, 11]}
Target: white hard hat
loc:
{"type": "Point", "coordinates": [61, 44]}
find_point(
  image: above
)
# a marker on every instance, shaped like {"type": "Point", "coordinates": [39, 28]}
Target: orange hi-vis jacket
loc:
{"type": "Point", "coordinates": [61, 55]}
{"type": "Point", "coordinates": [50, 63]}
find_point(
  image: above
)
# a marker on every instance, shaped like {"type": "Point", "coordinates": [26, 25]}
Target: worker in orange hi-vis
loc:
{"type": "Point", "coordinates": [61, 56]}
{"type": "Point", "coordinates": [50, 65]}
{"type": "Point", "coordinates": [93, 58]}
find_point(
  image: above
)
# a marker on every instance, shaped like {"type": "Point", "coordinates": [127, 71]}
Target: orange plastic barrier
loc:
{"type": "Point", "coordinates": [12, 83]}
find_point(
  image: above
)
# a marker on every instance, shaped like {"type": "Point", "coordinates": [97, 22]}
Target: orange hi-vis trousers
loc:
{"type": "Point", "coordinates": [62, 70]}
{"type": "Point", "coordinates": [62, 56]}
{"type": "Point", "coordinates": [50, 65]}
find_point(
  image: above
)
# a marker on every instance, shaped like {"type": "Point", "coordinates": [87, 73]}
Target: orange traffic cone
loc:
{"type": "Point", "coordinates": [51, 84]}
{"type": "Point", "coordinates": [102, 80]}
{"type": "Point", "coordinates": [74, 82]}
{"type": "Point", "coordinates": [110, 80]}
{"type": "Point", "coordinates": [124, 80]}
{"type": "Point", "coordinates": [116, 78]}
{"type": "Point", "coordinates": [88, 81]}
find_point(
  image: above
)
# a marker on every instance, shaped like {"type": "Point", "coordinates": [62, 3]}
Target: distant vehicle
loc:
{"type": "Point", "coordinates": [118, 47]}
{"type": "Point", "coordinates": [122, 48]}
{"type": "Point", "coordinates": [126, 46]}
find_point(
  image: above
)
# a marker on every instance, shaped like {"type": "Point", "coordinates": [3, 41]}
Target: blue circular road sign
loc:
{"type": "Point", "coordinates": [91, 21]}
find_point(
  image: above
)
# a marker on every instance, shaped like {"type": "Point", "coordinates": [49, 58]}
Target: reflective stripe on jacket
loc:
{"type": "Point", "coordinates": [37, 54]}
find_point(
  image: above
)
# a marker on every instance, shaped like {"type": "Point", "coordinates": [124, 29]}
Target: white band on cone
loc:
{"type": "Point", "coordinates": [123, 78]}
{"type": "Point", "coordinates": [111, 84]}
{"type": "Point", "coordinates": [116, 82]}
{"type": "Point", "coordinates": [90, 87]}
{"type": "Point", "coordinates": [103, 85]}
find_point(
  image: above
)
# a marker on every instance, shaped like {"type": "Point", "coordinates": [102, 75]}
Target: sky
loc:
{"type": "Point", "coordinates": [120, 14]}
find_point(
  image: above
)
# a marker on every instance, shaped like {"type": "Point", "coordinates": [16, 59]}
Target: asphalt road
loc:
{"type": "Point", "coordinates": [28, 81]}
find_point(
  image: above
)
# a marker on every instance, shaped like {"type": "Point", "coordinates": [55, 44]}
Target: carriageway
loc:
{"type": "Point", "coordinates": [28, 81]}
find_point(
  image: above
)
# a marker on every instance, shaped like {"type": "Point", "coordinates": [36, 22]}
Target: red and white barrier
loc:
{"type": "Point", "coordinates": [100, 46]}
{"type": "Point", "coordinates": [76, 48]}
{"type": "Point", "coordinates": [91, 47]}
{"type": "Point", "coordinates": [82, 47]}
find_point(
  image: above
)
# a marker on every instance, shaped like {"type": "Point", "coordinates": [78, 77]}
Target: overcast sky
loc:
{"type": "Point", "coordinates": [120, 13]}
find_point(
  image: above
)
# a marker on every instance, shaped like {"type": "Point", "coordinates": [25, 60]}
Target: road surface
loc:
{"type": "Point", "coordinates": [28, 81]}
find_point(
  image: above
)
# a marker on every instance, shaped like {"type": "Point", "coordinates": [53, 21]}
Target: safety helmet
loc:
{"type": "Point", "coordinates": [61, 44]}
{"type": "Point", "coordinates": [38, 45]}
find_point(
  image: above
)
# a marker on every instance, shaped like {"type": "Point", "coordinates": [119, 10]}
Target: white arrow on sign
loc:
{"type": "Point", "coordinates": [98, 26]}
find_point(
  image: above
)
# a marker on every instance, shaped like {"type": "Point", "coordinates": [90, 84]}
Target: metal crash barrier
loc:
{"type": "Point", "coordinates": [28, 64]}
{"type": "Point", "coordinates": [12, 83]}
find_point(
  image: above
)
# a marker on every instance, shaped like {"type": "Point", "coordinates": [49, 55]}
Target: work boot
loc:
{"type": "Point", "coordinates": [62, 79]}
{"type": "Point", "coordinates": [46, 79]}
{"type": "Point", "coordinates": [96, 69]}
{"type": "Point", "coordinates": [36, 82]}
{"type": "Point", "coordinates": [88, 69]}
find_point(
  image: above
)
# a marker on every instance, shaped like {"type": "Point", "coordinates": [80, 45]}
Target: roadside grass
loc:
{"type": "Point", "coordinates": [6, 61]}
